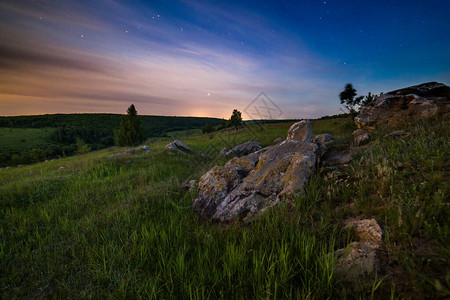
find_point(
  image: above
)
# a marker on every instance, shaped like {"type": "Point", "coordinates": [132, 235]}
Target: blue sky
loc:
{"type": "Point", "coordinates": [206, 58]}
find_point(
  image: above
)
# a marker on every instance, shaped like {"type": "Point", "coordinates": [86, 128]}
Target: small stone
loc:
{"type": "Point", "coordinates": [362, 139]}
{"type": "Point", "coordinates": [130, 151]}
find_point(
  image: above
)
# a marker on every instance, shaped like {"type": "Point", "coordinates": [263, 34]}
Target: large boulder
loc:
{"type": "Point", "coordinates": [301, 131]}
{"type": "Point", "coordinates": [246, 187]}
{"type": "Point", "coordinates": [244, 149]}
{"type": "Point", "coordinates": [179, 147]}
{"type": "Point", "coordinates": [419, 101]}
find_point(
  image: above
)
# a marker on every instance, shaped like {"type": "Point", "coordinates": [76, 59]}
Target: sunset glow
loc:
{"type": "Point", "coordinates": [196, 58]}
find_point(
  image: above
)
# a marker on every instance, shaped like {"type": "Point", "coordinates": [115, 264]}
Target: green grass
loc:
{"type": "Point", "coordinates": [123, 228]}
{"type": "Point", "coordinates": [23, 139]}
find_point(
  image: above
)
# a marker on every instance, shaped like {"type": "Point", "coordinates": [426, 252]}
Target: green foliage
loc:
{"type": "Point", "coordinates": [82, 147]}
{"type": "Point", "coordinates": [208, 128]}
{"type": "Point", "coordinates": [123, 228]}
{"type": "Point", "coordinates": [235, 119]}
{"type": "Point", "coordinates": [349, 100]}
{"type": "Point", "coordinates": [130, 132]}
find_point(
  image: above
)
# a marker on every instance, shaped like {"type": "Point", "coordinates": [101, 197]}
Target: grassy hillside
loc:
{"type": "Point", "coordinates": [22, 139]}
{"type": "Point", "coordinates": [27, 139]}
{"type": "Point", "coordinates": [124, 228]}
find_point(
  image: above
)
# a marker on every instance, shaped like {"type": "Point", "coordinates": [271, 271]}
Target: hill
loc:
{"type": "Point", "coordinates": [35, 138]}
{"type": "Point", "coordinates": [90, 226]}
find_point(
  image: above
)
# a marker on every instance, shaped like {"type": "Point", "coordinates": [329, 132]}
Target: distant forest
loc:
{"type": "Point", "coordinates": [62, 131]}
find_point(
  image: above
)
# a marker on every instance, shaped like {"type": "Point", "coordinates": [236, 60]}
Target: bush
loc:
{"type": "Point", "coordinates": [208, 128]}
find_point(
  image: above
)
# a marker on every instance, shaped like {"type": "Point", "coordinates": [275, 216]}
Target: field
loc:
{"type": "Point", "coordinates": [124, 228]}
{"type": "Point", "coordinates": [23, 139]}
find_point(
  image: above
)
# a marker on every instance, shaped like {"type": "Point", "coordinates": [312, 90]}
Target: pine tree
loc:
{"type": "Point", "coordinates": [131, 132]}
{"type": "Point", "coordinates": [235, 119]}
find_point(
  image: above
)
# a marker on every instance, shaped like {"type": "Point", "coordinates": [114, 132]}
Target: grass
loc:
{"type": "Point", "coordinates": [123, 228]}
{"type": "Point", "coordinates": [22, 139]}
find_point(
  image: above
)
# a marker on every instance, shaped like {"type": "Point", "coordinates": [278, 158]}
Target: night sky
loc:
{"type": "Point", "coordinates": [205, 58]}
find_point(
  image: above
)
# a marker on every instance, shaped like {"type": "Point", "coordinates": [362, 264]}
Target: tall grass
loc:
{"type": "Point", "coordinates": [123, 228]}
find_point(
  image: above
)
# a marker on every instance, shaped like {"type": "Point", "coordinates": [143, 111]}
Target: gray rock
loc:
{"type": "Point", "coordinates": [145, 148]}
{"type": "Point", "coordinates": [359, 131]}
{"type": "Point", "coordinates": [323, 138]}
{"type": "Point", "coordinates": [223, 152]}
{"type": "Point", "coordinates": [244, 149]}
{"type": "Point", "coordinates": [117, 155]}
{"type": "Point", "coordinates": [204, 156]}
{"type": "Point", "coordinates": [277, 140]}
{"type": "Point", "coordinates": [63, 168]}
{"type": "Point", "coordinates": [179, 147]}
{"type": "Point", "coordinates": [362, 139]}
{"type": "Point", "coordinates": [367, 230]}
{"type": "Point", "coordinates": [360, 258]}
{"type": "Point", "coordinates": [419, 101]}
{"type": "Point", "coordinates": [190, 185]}
{"type": "Point", "coordinates": [130, 151]}
{"type": "Point", "coordinates": [301, 131]}
{"type": "Point", "coordinates": [397, 134]}
{"type": "Point", "coordinates": [246, 187]}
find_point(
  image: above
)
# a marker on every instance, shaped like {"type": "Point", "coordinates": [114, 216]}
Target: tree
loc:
{"type": "Point", "coordinates": [82, 147]}
{"type": "Point", "coordinates": [235, 119]}
{"type": "Point", "coordinates": [131, 132]}
{"type": "Point", "coordinates": [208, 128]}
{"type": "Point", "coordinates": [348, 99]}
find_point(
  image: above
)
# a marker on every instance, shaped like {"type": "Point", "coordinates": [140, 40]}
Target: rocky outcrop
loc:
{"type": "Point", "coordinates": [419, 101]}
{"type": "Point", "coordinates": [301, 131]}
{"type": "Point", "coordinates": [178, 147]}
{"type": "Point", "coordinates": [246, 187]}
{"type": "Point", "coordinates": [244, 149]}
{"type": "Point", "coordinates": [360, 258]}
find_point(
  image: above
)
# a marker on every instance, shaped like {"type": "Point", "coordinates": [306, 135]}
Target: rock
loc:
{"type": "Point", "coordinates": [179, 147]}
{"type": "Point", "coordinates": [130, 151]}
{"type": "Point", "coordinates": [223, 152]}
{"type": "Point", "coordinates": [63, 168]}
{"type": "Point", "coordinates": [419, 101]}
{"type": "Point", "coordinates": [246, 187]}
{"type": "Point", "coordinates": [301, 131]}
{"type": "Point", "coordinates": [337, 157]}
{"type": "Point", "coordinates": [244, 149]}
{"type": "Point", "coordinates": [359, 131]}
{"type": "Point", "coordinates": [145, 148]}
{"type": "Point", "coordinates": [397, 134]}
{"type": "Point", "coordinates": [360, 258]}
{"type": "Point", "coordinates": [277, 140]}
{"type": "Point", "coordinates": [367, 230]}
{"type": "Point", "coordinates": [362, 139]}
{"type": "Point", "coordinates": [190, 185]}
{"type": "Point", "coordinates": [204, 156]}
{"type": "Point", "coordinates": [323, 138]}
{"type": "Point", "coordinates": [117, 155]}
{"type": "Point", "coordinates": [357, 260]}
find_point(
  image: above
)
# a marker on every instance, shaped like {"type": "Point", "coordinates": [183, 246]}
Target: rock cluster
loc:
{"type": "Point", "coordinates": [424, 100]}
{"type": "Point", "coordinates": [247, 186]}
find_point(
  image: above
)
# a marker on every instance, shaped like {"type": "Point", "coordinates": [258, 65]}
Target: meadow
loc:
{"type": "Point", "coordinates": [124, 228]}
